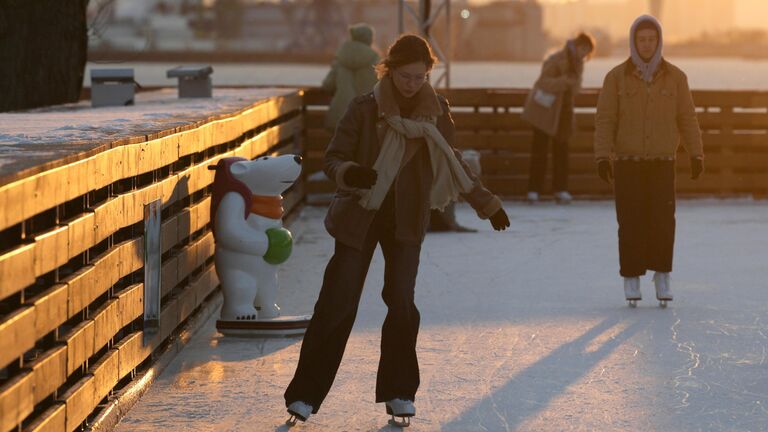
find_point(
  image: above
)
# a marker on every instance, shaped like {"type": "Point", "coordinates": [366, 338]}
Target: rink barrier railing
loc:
{"type": "Point", "coordinates": [734, 126]}
{"type": "Point", "coordinates": [71, 259]}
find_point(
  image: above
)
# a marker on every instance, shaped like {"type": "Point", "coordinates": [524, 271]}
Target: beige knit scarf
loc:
{"type": "Point", "coordinates": [449, 179]}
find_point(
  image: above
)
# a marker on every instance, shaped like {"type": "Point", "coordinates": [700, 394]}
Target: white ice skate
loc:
{"type": "Point", "coordinates": [563, 197]}
{"type": "Point", "coordinates": [663, 288]}
{"type": "Point", "coordinates": [632, 290]}
{"type": "Point", "coordinates": [401, 408]}
{"type": "Point", "coordinates": [533, 197]}
{"type": "Point", "coordinates": [298, 410]}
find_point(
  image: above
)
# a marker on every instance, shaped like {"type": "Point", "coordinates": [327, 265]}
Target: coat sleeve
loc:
{"type": "Point", "coordinates": [607, 118]}
{"type": "Point", "coordinates": [551, 80]}
{"type": "Point", "coordinates": [329, 82]}
{"type": "Point", "coordinates": [481, 199]}
{"type": "Point", "coordinates": [687, 123]}
{"type": "Point", "coordinates": [341, 151]}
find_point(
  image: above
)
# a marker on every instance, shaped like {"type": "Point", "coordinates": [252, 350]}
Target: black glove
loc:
{"type": "Point", "coordinates": [360, 177]}
{"type": "Point", "coordinates": [499, 220]}
{"type": "Point", "coordinates": [605, 171]}
{"type": "Point", "coordinates": [697, 167]}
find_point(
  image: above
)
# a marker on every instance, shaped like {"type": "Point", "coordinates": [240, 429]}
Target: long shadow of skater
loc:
{"type": "Point", "coordinates": [533, 388]}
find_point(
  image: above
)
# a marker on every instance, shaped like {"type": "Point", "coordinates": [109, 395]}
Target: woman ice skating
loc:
{"type": "Point", "coordinates": [549, 108]}
{"type": "Point", "coordinates": [644, 108]}
{"type": "Point", "coordinates": [393, 161]}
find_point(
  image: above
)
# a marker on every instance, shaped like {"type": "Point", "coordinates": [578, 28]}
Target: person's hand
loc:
{"type": "Point", "coordinates": [605, 171]}
{"type": "Point", "coordinates": [360, 177]}
{"type": "Point", "coordinates": [697, 167]}
{"type": "Point", "coordinates": [500, 220]}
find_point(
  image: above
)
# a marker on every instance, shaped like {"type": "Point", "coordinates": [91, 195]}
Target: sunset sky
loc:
{"type": "Point", "coordinates": [749, 13]}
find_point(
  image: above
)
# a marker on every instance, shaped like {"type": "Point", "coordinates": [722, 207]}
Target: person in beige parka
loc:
{"type": "Point", "coordinates": [644, 108]}
{"type": "Point", "coordinates": [549, 109]}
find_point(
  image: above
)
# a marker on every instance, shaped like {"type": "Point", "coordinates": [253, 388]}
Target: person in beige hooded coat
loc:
{"type": "Point", "coordinates": [352, 73]}
{"type": "Point", "coordinates": [644, 108]}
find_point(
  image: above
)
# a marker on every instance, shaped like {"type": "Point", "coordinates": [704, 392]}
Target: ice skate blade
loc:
{"type": "Point", "coordinates": [403, 423]}
{"type": "Point", "coordinates": [295, 418]}
{"type": "Point", "coordinates": [663, 303]}
{"type": "Point", "coordinates": [632, 302]}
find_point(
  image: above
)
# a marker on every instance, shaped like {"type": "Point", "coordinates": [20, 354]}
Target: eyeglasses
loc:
{"type": "Point", "coordinates": [418, 79]}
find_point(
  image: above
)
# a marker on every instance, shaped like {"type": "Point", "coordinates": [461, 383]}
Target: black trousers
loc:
{"type": "Point", "coordinates": [645, 210]}
{"type": "Point", "coordinates": [538, 168]}
{"type": "Point", "coordinates": [335, 311]}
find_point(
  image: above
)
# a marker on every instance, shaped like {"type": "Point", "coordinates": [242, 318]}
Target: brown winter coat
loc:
{"type": "Point", "coordinates": [357, 142]}
{"type": "Point", "coordinates": [638, 120]}
{"type": "Point", "coordinates": [557, 78]}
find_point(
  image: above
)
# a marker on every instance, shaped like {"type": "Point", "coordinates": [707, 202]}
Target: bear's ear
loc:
{"type": "Point", "coordinates": [238, 168]}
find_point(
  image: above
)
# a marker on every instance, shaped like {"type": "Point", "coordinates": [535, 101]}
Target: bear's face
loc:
{"type": "Point", "coordinates": [268, 175]}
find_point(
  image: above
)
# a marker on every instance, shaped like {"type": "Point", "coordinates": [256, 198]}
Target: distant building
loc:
{"type": "Point", "coordinates": [682, 19]}
{"type": "Point", "coordinates": [502, 30]}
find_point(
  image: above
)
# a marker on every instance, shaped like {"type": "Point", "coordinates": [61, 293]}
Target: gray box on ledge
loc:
{"type": "Point", "coordinates": [112, 87]}
{"type": "Point", "coordinates": [194, 81]}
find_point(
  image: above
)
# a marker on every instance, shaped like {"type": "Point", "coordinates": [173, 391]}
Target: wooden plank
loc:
{"type": "Point", "coordinates": [82, 233]}
{"type": "Point", "coordinates": [105, 374]}
{"type": "Point", "coordinates": [186, 261]}
{"type": "Point", "coordinates": [108, 218]}
{"type": "Point", "coordinates": [50, 309]}
{"type": "Point", "coordinates": [80, 402]}
{"type": "Point", "coordinates": [80, 285]}
{"type": "Point", "coordinates": [131, 304]}
{"type": "Point", "coordinates": [169, 234]}
{"type": "Point", "coordinates": [131, 352]}
{"type": "Point", "coordinates": [58, 185]}
{"type": "Point", "coordinates": [169, 318]}
{"type": "Point", "coordinates": [106, 323]}
{"type": "Point", "coordinates": [17, 334]}
{"type": "Point", "coordinates": [17, 268]}
{"type": "Point", "coordinates": [50, 372]}
{"type": "Point", "coordinates": [51, 249]}
{"type": "Point", "coordinates": [169, 275]}
{"type": "Point", "coordinates": [187, 303]}
{"type": "Point", "coordinates": [16, 400]}
{"type": "Point", "coordinates": [131, 256]}
{"type": "Point", "coordinates": [204, 284]}
{"type": "Point", "coordinates": [80, 347]}
{"type": "Point", "coordinates": [54, 419]}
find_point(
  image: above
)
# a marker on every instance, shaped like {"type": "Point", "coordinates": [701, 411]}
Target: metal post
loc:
{"type": "Point", "coordinates": [425, 17]}
{"type": "Point", "coordinates": [152, 266]}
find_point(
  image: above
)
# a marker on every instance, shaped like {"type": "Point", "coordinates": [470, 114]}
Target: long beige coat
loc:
{"type": "Point", "coordinates": [554, 80]}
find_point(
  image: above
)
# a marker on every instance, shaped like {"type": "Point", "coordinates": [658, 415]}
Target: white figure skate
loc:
{"type": "Point", "coordinates": [403, 409]}
{"type": "Point", "coordinates": [533, 197]}
{"type": "Point", "coordinates": [299, 411]}
{"type": "Point", "coordinates": [663, 288]}
{"type": "Point", "coordinates": [563, 197]}
{"type": "Point", "coordinates": [632, 290]}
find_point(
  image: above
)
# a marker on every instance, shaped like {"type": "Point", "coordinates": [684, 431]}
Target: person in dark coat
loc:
{"type": "Point", "coordinates": [549, 109]}
{"type": "Point", "coordinates": [393, 160]}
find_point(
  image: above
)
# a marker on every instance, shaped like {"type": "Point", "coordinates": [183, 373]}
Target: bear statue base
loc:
{"type": "Point", "coordinates": [282, 326]}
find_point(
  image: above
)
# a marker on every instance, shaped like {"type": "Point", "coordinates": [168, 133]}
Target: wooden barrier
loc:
{"type": "Point", "coordinates": [72, 257]}
{"type": "Point", "coordinates": [734, 125]}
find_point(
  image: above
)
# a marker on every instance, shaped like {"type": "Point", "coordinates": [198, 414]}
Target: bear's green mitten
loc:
{"type": "Point", "coordinates": [280, 246]}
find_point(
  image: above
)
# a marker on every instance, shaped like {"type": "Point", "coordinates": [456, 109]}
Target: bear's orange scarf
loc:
{"type": "Point", "coordinates": [268, 206]}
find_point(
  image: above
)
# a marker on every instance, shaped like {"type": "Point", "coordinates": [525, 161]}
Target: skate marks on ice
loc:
{"type": "Point", "coordinates": [721, 376]}
{"type": "Point", "coordinates": [522, 402]}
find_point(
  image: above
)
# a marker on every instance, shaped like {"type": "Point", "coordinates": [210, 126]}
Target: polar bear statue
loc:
{"type": "Point", "coordinates": [246, 212]}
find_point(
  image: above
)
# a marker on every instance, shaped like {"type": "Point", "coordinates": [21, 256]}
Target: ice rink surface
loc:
{"type": "Point", "coordinates": [523, 330]}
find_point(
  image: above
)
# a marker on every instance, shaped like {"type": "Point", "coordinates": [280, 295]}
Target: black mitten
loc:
{"type": "Point", "coordinates": [360, 177]}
